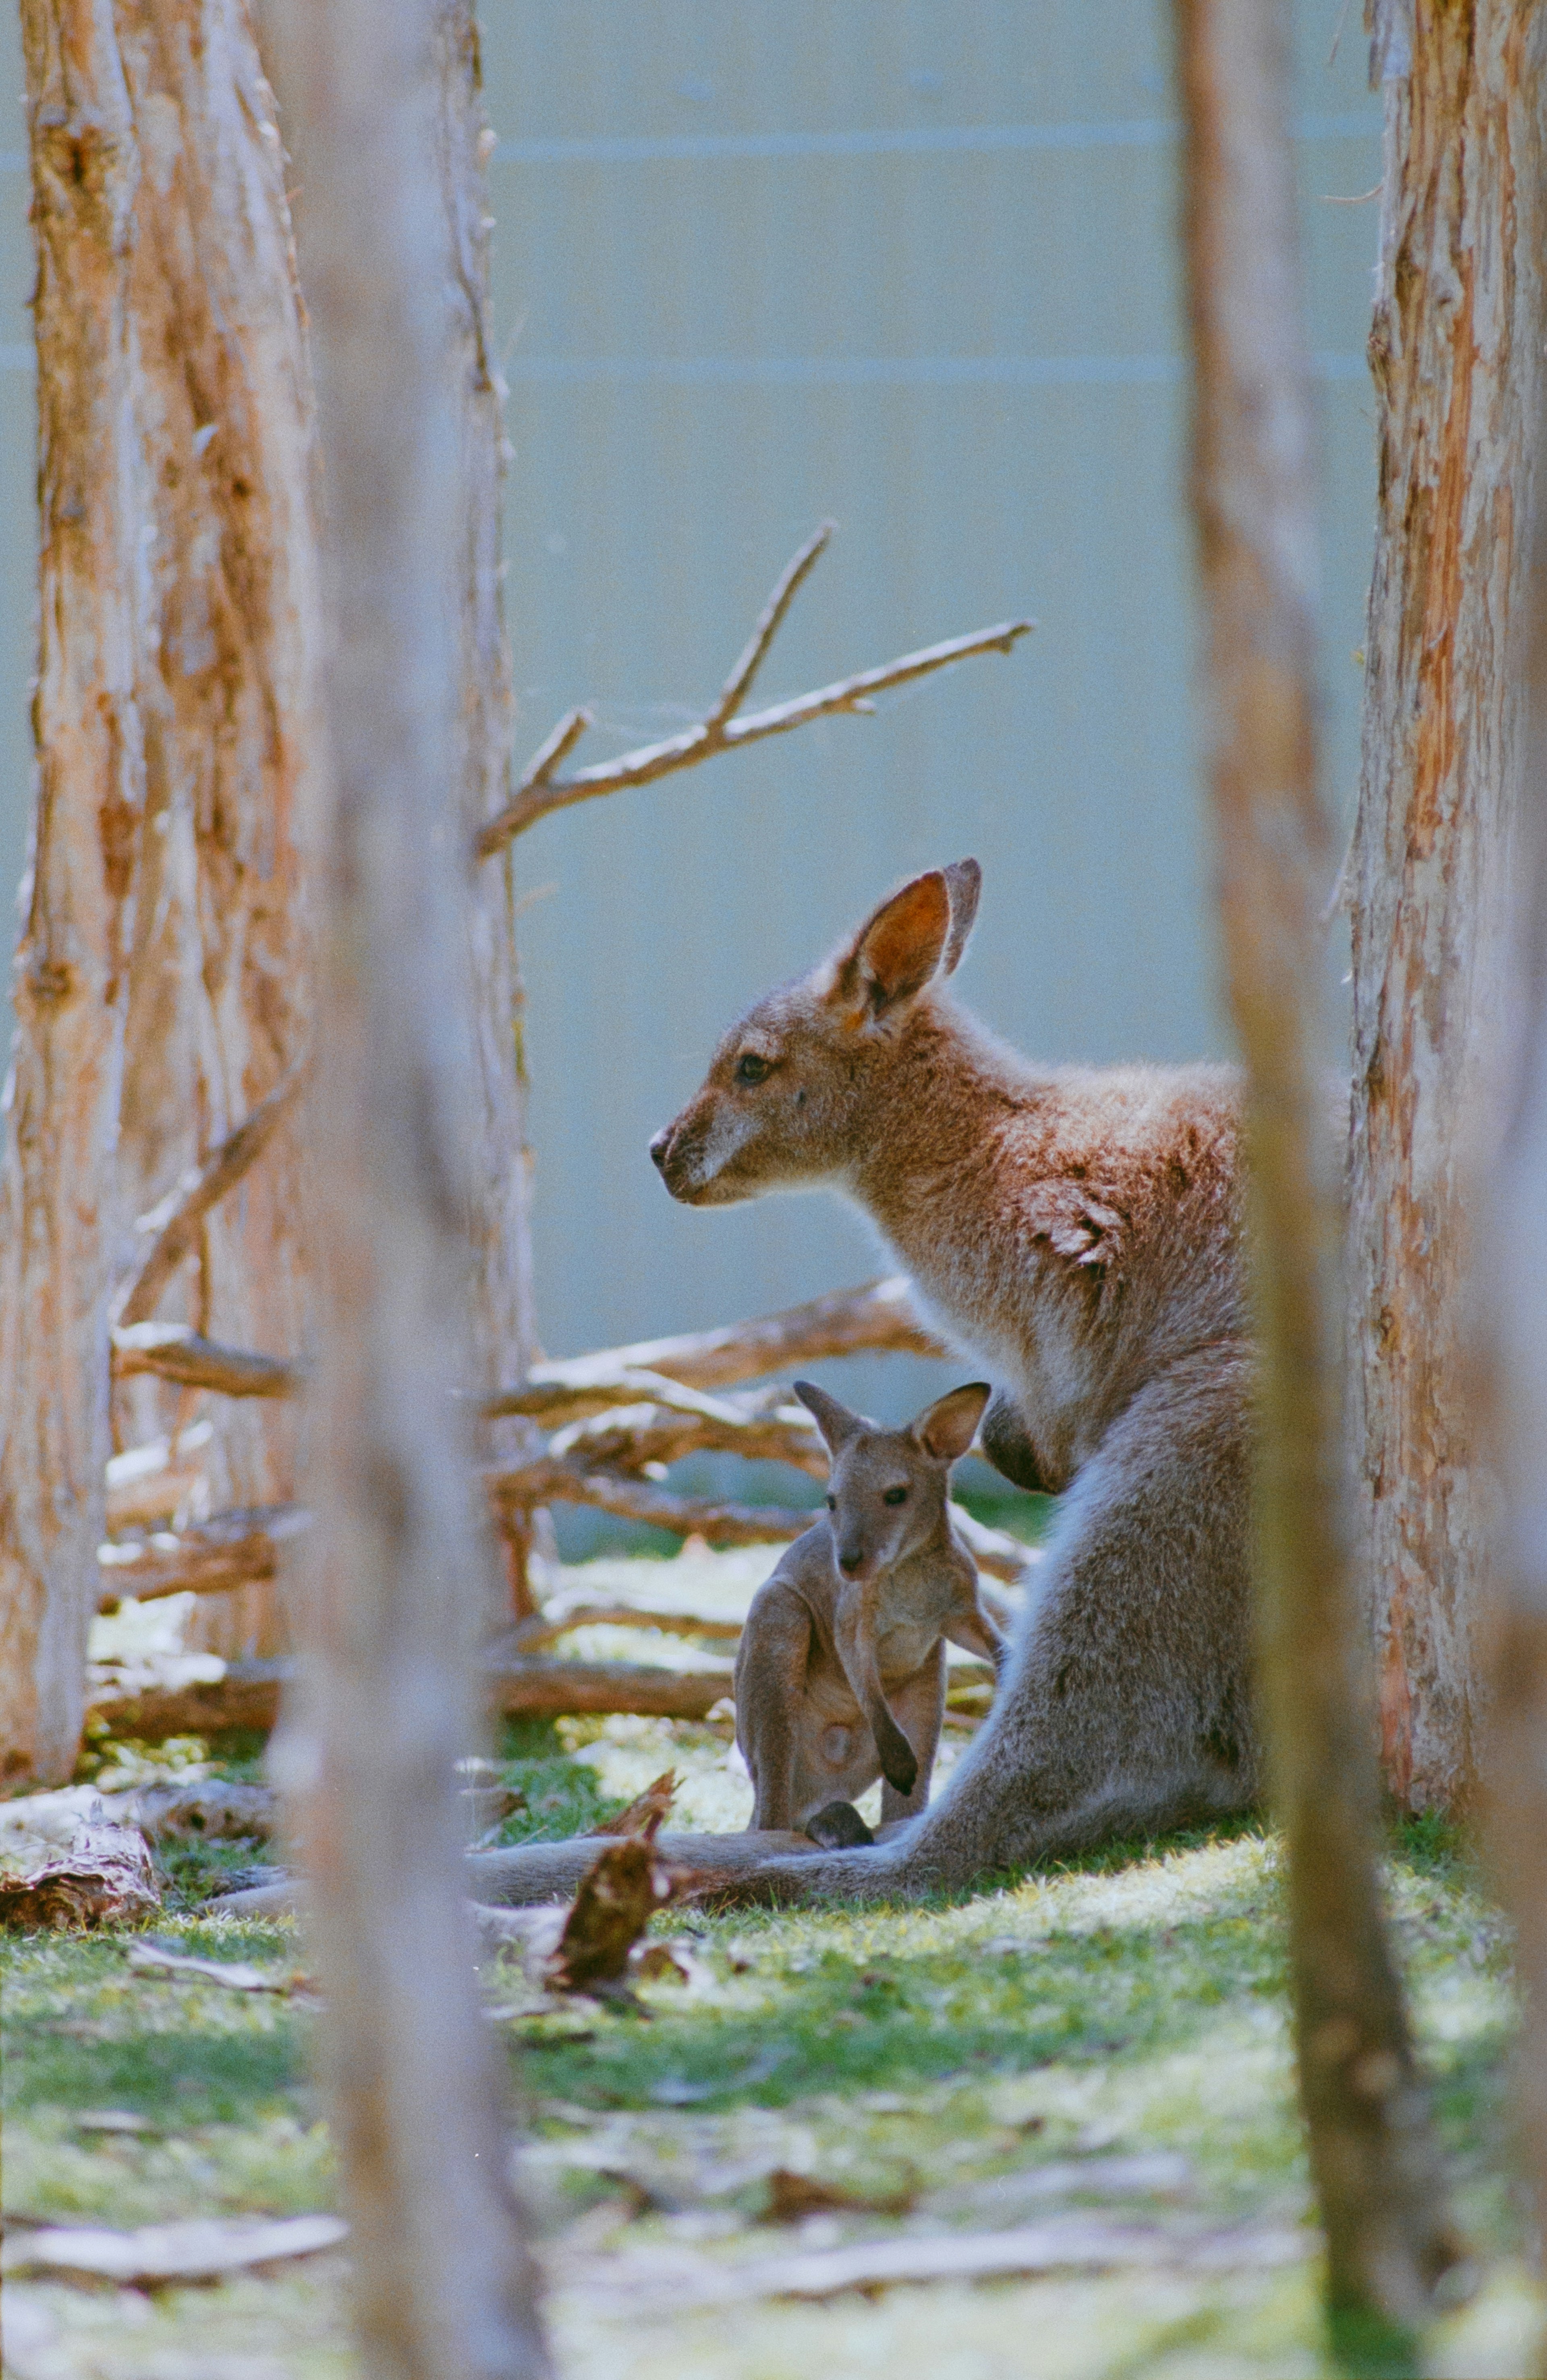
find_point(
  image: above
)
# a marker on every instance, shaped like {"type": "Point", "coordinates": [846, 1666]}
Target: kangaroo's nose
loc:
{"type": "Point", "coordinates": [849, 1560]}
{"type": "Point", "coordinates": [660, 1146]}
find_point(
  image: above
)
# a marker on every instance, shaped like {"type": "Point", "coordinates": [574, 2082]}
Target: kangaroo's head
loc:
{"type": "Point", "coordinates": [887, 1490]}
{"type": "Point", "coordinates": [787, 1087]}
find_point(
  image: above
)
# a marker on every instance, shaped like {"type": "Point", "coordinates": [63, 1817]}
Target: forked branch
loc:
{"type": "Point", "coordinates": [177, 1220]}
{"type": "Point", "coordinates": [542, 790]}
{"type": "Point", "coordinates": [880, 1316]}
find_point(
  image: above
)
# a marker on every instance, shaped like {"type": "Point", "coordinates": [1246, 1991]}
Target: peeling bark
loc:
{"type": "Point", "coordinates": [1372, 2154]}
{"type": "Point", "coordinates": [1456, 349]}
{"type": "Point", "coordinates": [161, 977]}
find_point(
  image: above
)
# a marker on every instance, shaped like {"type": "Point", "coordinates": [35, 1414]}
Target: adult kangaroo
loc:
{"type": "Point", "coordinates": [1078, 1233]}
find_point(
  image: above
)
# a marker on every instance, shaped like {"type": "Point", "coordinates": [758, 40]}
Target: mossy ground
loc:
{"type": "Point", "coordinates": [992, 2062]}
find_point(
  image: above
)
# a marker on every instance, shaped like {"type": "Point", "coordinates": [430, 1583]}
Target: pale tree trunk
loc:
{"type": "Point", "coordinates": [160, 980]}
{"type": "Point", "coordinates": [220, 991]}
{"type": "Point", "coordinates": [1370, 2155]}
{"type": "Point", "coordinates": [59, 1221]}
{"type": "Point", "coordinates": [503, 1337]}
{"type": "Point", "coordinates": [178, 625]}
{"type": "Point", "coordinates": [1456, 349]}
{"type": "Point", "coordinates": [443, 2289]}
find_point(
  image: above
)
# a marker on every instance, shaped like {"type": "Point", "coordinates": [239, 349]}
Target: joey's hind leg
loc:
{"type": "Point", "coordinates": [770, 1689]}
{"type": "Point", "coordinates": [919, 1708]}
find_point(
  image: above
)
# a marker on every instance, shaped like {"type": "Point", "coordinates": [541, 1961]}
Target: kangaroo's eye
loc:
{"type": "Point", "coordinates": [895, 1496]}
{"type": "Point", "coordinates": [750, 1068]}
{"type": "Point", "coordinates": [832, 1503]}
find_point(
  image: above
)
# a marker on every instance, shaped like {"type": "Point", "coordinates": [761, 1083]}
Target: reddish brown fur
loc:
{"type": "Point", "coordinates": [1079, 1231]}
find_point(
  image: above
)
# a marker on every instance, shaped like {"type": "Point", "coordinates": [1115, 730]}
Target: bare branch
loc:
{"type": "Point", "coordinates": [734, 693]}
{"type": "Point", "coordinates": [879, 1316]}
{"type": "Point", "coordinates": [175, 1351]}
{"type": "Point", "coordinates": [542, 1689]}
{"type": "Point", "coordinates": [550, 1480]}
{"type": "Point", "coordinates": [720, 730]}
{"type": "Point", "coordinates": [556, 1620]}
{"type": "Point", "coordinates": [248, 1696]}
{"type": "Point", "coordinates": [175, 1221]}
{"type": "Point", "coordinates": [237, 1549]}
{"type": "Point", "coordinates": [630, 1438]}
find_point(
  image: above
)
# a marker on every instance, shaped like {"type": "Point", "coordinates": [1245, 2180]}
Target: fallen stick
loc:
{"type": "Point", "coordinates": [532, 1687]}
{"type": "Point", "coordinates": [532, 1635]}
{"type": "Point", "coordinates": [229, 1975]}
{"type": "Point", "coordinates": [541, 791]}
{"type": "Point", "coordinates": [175, 1351]}
{"type": "Point", "coordinates": [177, 1220]}
{"type": "Point", "coordinates": [879, 1317]}
{"type": "Point", "coordinates": [1064, 2244]}
{"type": "Point", "coordinates": [248, 1694]}
{"type": "Point", "coordinates": [200, 2249]}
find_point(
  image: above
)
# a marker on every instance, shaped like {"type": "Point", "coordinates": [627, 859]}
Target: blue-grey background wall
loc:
{"type": "Point", "coordinates": [911, 264]}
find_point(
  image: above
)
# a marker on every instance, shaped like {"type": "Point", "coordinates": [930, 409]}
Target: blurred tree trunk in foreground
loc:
{"type": "Point", "coordinates": [443, 2288]}
{"type": "Point", "coordinates": [1371, 2160]}
{"type": "Point", "coordinates": [160, 980]}
{"type": "Point", "coordinates": [1456, 349]}
{"type": "Point", "coordinates": [503, 1340]}
{"type": "Point", "coordinates": [1510, 1383]}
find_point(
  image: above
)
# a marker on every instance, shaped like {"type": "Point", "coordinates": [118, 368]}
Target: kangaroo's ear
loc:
{"type": "Point", "coordinates": [834, 1420]}
{"type": "Point", "coordinates": [964, 883]}
{"type": "Point", "coordinates": [897, 950]}
{"type": "Point", "coordinates": [947, 1428]}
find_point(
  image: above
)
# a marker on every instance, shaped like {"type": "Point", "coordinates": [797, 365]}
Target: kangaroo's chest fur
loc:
{"type": "Point", "coordinates": [1079, 1231]}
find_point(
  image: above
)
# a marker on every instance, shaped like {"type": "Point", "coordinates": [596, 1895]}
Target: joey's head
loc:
{"type": "Point", "coordinates": [888, 1489]}
{"type": "Point", "coordinates": [785, 1103]}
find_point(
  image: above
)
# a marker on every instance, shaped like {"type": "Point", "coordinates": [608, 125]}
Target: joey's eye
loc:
{"type": "Point", "coordinates": [750, 1068]}
{"type": "Point", "coordinates": [895, 1496]}
{"type": "Point", "coordinates": [832, 1503]}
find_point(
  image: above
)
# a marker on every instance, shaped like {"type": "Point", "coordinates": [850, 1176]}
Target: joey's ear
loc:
{"type": "Point", "coordinates": [964, 883]}
{"type": "Point", "coordinates": [834, 1420]}
{"type": "Point", "coordinates": [897, 949]}
{"type": "Point", "coordinates": [947, 1428]}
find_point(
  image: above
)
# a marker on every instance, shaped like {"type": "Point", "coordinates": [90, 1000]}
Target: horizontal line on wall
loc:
{"type": "Point", "coordinates": [887, 371]}
{"type": "Point", "coordinates": [908, 140]}
{"type": "Point", "coordinates": [849, 371]}
{"type": "Point", "coordinates": [904, 140]}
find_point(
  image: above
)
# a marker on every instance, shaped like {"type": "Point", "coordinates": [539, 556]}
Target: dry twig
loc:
{"type": "Point", "coordinates": [541, 791]}
{"type": "Point", "coordinates": [231, 1549]}
{"type": "Point", "coordinates": [177, 1220]}
{"type": "Point", "coordinates": [175, 1351]}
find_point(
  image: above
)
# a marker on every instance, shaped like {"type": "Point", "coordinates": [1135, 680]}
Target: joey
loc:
{"type": "Point", "coordinates": [842, 1670]}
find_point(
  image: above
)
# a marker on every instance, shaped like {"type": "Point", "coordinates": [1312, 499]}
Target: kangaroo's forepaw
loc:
{"type": "Point", "coordinates": [838, 1828]}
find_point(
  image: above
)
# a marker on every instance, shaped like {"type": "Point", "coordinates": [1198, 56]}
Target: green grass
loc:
{"type": "Point", "coordinates": [1128, 2003]}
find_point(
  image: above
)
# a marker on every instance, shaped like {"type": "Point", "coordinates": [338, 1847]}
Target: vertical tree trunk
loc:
{"type": "Point", "coordinates": [59, 1217]}
{"type": "Point", "coordinates": [503, 1338]}
{"type": "Point", "coordinates": [1456, 349]}
{"type": "Point", "coordinates": [1371, 2156]}
{"type": "Point", "coordinates": [163, 974]}
{"type": "Point", "coordinates": [220, 984]}
{"type": "Point", "coordinates": [443, 2289]}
